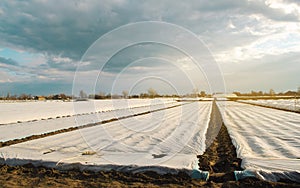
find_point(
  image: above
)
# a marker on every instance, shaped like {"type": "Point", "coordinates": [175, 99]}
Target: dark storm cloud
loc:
{"type": "Point", "coordinates": [8, 61]}
{"type": "Point", "coordinates": [54, 27]}
{"type": "Point", "coordinates": [70, 27]}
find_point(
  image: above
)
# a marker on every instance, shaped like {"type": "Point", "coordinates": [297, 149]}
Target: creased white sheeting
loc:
{"type": "Point", "coordinates": [14, 111]}
{"type": "Point", "coordinates": [24, 129]}
{"type": "Point", "coordinates": [267, 140]}
{"type": "Point", "coordinates": [160, 140]}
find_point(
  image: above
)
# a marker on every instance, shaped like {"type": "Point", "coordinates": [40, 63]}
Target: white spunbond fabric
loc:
{"type": "Point", "coordinates": [267, 140]}
{"type": "Point", "coordinates": [159, 141]}
{"type": "Point", "coordinates": [12, 112]}
{"type": "Point", "coordinates": [285, 104]}
{"type": "Point", "coordinates": [24, 129]}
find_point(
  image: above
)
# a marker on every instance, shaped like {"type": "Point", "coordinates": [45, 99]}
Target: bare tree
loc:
{"type": "Point", "coordinates": [152, 92]}
{"type": "Point", "coordinates": [125, 94]}
{"type": "Point", "coordinates": [272, 92]}
{"type": "Point", "coordinates": [102, 94]}
{"type": "Point", "coordinates": [8, 96]}
{"type": "Point", "coordinates": [202, 94]}
{"type": "Point", "coordinates": [82, 94]}
{"type": "Point", "coordinates": [195, 92]}
{"type": "Point", "coordinates": [23, 96]}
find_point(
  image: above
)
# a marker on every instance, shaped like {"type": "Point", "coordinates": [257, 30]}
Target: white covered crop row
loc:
{"type": "Point", "coordinates": [267, 140]}
{"type": "Point", "coordinates": [160, 141]}
{"type": "Point", "coordinates": [12, 112]}
{"type": "Point", "coordinates": [285, 104]}
{"type": "Point", "coordinates": [24, 129]}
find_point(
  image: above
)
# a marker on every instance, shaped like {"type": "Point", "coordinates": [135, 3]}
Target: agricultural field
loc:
{"type": "Point", "coordinates": [90, 112]}
{"type": "Point", "coordinates": [285, 104]}
{"type": "Point", "coordinates": [171, 138]}
{"type": "Point", "coordinates": [14, 111]}
{"type": "Point", "coordinates": [267, 140]}
{"type": "Point", "coordinates": [160, 136]}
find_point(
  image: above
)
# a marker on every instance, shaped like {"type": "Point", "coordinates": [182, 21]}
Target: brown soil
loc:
{"type": "Point", "coordinates": [219, 159]}
{"type": "Point", "coordinates": [220, 156]}
{"type": "Point", "coordinates": [30, 176]}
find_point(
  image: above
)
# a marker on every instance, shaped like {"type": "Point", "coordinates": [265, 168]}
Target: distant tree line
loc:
{"type": "Point", "coordinates": [24, 96]}
{"type": "Point", "coordinates": [270, 93]}
{"type": "Point", "coordinates": [151, 93]}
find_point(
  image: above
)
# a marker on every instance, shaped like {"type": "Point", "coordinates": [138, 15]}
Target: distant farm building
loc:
{"type": "Point", "coordinates": [40, 98]}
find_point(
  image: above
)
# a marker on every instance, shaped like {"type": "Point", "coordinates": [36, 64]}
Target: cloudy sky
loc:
{"type": "Point", "coordinates": [56, 46]}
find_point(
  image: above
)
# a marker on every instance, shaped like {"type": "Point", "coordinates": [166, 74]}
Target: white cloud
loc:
{"type": "Point", "coordinates": [269, 37]}
{"type": "Point", "coordinates": [269, 45]}
{"type": "Point", "coordinates": [230, 25]}
{"type": "Point", "coordinates": [60, 59]}
{"type": "Point", "coordinates": [288, 8]}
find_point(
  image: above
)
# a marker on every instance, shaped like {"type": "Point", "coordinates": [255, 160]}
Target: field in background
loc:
{"type": "Point", "coordinates": [156, 131]}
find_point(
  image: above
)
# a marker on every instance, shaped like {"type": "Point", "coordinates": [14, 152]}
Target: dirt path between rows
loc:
{"type": "Point", "coordinates": [219, 159]}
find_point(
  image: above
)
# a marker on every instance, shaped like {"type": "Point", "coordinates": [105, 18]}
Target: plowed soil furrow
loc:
{"type": "Point", "coordinates": [220, 156]}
